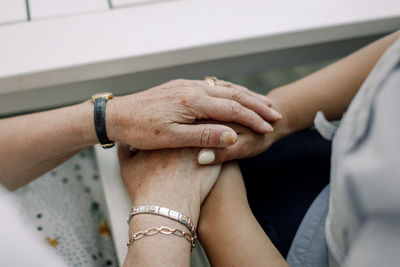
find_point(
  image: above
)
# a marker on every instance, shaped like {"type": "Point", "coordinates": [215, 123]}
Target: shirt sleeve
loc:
{"type": "Point", "coordinates": [377, 244]}
{"type": "Point", "coordinates": [374, 181]}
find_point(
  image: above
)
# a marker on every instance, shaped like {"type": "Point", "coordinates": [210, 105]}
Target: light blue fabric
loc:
{"type": "Point", "coordinates": [365, 167]}
{"type": "Point", "coordinates": [363, 223]}
{"type": "Point", "coordinates": [309, 245]}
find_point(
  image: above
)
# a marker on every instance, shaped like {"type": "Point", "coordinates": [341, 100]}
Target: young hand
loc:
{"type": "Point", "coordinates": [249, 143]}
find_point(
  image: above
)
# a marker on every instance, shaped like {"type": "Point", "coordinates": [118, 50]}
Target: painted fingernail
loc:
{"type": "Point", "coordinates": [206, 157]}
{"type": "Point", "coordinates": [228, 138]}
{"type": "Point", "coordinates": [276, 114]}
{"type": "Point", "coordinates": [268, 127]}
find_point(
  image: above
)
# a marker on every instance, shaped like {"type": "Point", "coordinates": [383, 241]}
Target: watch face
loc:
{"type": "Point", "coordinates": [107, 96]}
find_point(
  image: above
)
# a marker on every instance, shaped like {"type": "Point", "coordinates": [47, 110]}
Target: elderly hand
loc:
{"type": "Point", "coordinates": [171, 178]}
{"type": "Point", "coordinates": [163, 117]}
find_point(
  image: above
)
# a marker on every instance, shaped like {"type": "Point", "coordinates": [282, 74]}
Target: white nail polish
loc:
{"type": "Point", "coordinates": [206, 157]}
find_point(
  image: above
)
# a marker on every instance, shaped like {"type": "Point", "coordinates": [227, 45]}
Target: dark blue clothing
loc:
{"type": "Point", "coordinates": [282, 183]}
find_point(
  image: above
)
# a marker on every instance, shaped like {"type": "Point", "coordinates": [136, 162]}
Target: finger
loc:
{"type": "Point", "coordinates": [226, 110]}
{"type": "Point", "coordinates": [223, 83]}
{"type": "Point", "coordinates": [204, 135]}
{"type": "Point", "coordinates": [247, 145]}
{"type": "Point", "coordinates": [261, 97]}
{"type": "Point", "coordinates": [255, 101]}
{"type": "Point", "coordinates": [247, 99]}
{"type": "Point", "coordinates": [209, 156]}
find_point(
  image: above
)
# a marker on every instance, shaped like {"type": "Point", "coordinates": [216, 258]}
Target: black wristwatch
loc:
{"type": "Point", "coordinates": [99, 101]}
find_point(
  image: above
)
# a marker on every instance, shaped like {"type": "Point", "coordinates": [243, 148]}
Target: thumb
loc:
{"type": "Point", "coordinates": [205, 135]}
{"type": "Point", "coordinates": [208, 156]}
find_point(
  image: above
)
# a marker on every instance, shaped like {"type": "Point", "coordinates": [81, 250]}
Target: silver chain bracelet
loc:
{"type": "Point", "coordinates": [162, 230]}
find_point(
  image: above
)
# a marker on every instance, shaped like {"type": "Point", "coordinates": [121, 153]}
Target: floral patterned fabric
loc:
{"type": "Point", "coordinates": [67, 207]}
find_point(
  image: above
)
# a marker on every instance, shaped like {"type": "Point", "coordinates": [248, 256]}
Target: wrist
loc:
{"type": "Point", "coordinates": [143, 221]}
{"type": "Point", "coordinates": [87, 129]}
{"type": "Point", "coordinates": [283, 126]}
{"type": "Point", "coordinates": [84, 128]}
{"type": "Point", "coordinates": [160, 250]}
{"type": "Point", "coordinates": [165, 219]}
{"type": "Point", "coordinates": [186, 205]}
{"type": "Point", "coordinates": [114, 120]}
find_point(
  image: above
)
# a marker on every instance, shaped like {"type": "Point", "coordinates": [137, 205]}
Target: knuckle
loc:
{"type": "Point", "coordinates": [244, 89]}
{"type": "Point", "coordinates": [205, 137]}
{"type": "Point", "coordinates": [228, 84]}
{"type": "Point", "coordinates": [185, 98]}
{"type": "Point", "coordinates": [235, 109]}
{"type": "Point", "coordinates": [224, 83]}
{"type": "Point", "coordinates": [237, 95]}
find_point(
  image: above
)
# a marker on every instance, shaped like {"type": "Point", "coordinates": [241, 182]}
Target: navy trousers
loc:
{"type": "Point", "coordinates": [282, 182]}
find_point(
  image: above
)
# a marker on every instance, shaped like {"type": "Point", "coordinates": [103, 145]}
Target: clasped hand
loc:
{"type": "Point", "coordinates": [173, 177]}
{"type": "Point", "coordinates": [164, 116]}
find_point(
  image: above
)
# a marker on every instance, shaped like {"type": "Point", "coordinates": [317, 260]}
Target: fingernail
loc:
{"type": "Point", "coordinates": [228, 138]}
{"type": "Point", "coordinates": [276, 114]}
{"type": "Point", "coordinates": [206, 157]}
{"type": "Point", "coordinates": [132, 149]}
{"type": "Point", "coordinates": [268, 127]}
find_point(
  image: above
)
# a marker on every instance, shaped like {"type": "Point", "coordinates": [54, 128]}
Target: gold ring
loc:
{"type": "Point", "coordinates": [211, 80]}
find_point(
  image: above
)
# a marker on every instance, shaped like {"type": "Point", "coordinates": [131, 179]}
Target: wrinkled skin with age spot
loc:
{"type": "Point", "coordinates": [165, 116]}
{"type": "Point", "coordinates": [169, 176]}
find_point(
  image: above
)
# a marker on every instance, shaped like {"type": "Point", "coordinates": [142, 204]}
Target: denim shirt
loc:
{"type": "Point", "coordinates": [362, 227]}
{"type": "Point", "coordinates": [365, 174]}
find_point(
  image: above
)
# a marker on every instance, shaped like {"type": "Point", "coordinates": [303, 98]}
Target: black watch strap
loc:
{"type": "Point", "coordinates": [100, 122]}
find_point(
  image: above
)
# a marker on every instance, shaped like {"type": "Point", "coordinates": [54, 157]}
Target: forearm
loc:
{"type": "Point", "coordinates": [172, 179]}
{"type": "Point", "coordinates": [227, 226]}
{"type": "Point", "coordinates": [160, 249]}
{"type": "Point", "coordinates": [330, 89]}
{"type": "Point", "coordinates": [33, 144]}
